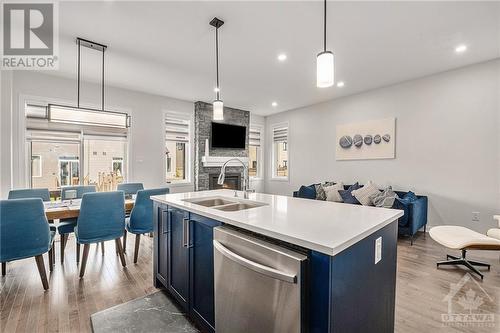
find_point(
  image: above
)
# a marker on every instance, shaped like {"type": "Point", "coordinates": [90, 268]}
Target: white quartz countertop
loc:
{"type": "Point", "coordinates": [322, 226]}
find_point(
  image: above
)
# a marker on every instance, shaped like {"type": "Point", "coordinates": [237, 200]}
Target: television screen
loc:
{"type": "Point", "coordinates": [228, 136]}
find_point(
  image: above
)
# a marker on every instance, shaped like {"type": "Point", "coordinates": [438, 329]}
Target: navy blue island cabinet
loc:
{"type": "Point", "coordinates": [183, 261]}
{"type": "Point", "coordinates": [352, 291]}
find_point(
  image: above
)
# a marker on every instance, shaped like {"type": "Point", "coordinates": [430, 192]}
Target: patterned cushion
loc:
{"type": "Point", "coordinates": [347, 196]}
{"type": "Point", "coordinates": [332, 192]}
{"type": "Point", "coordinates": [364, 194]}
{"type": "Point", "coordinates": [320, 192]}
{"type": "Point", "coordinates": [385, 198]}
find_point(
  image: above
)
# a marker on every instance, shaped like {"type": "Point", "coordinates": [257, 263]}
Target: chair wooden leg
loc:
{"type": "Point", "coordinates": [136, 250]}
{"type": "Point", "coordinates": [86, 248]}
{"type": "Point", "coordinates": [120, 252]}
{"type": "Point", "coordinates": [63, 245]}
{"type": "Point", "coordinates": [150, 235]}
{"type": "Point", "coordinates": [77, 252]}
{"type": "Point", "coordinates": [4, 268]}
{"type": "Point", "coordinates": [102, 247]}
{"type": "Point", "coordinates": [125, 241]}
{"type": "Point", "coordinates": [41, 270]}
{"type": "Point", "coordinates": [51, 258]}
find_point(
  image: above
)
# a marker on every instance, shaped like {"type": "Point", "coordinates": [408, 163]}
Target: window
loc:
{"type": "Point", "coordinates": [105, 169]}
{"type": "Point", "coordinates": [280, 163]}
{"type": "Point", "coordinates": [177, 151]}
{"type": "Point", "coordinates": [254, 152]}
{"type": "Point", "coordinates": [54, 163]}
{"type": "Point", "coordinates": [36, 166]}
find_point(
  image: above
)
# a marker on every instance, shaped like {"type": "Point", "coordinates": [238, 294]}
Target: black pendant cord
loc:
{"type": "Point", "coordinates": [217, 61]}
{"type": "Point", "coordinates": [78, 79]}
{"type": "Point", "coordinates": [103, 79]}
{"type": "Point", "coordinates": [324, 27]}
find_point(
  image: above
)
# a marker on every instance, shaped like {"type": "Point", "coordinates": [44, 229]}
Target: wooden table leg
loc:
{"type": "Point", "coordinates": [41, 270]}
{"type": "Point", "coordinates": [86, 248]}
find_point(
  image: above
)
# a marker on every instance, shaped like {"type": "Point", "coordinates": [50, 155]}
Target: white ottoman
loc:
{"type": "Point", "coordinates": [460, 238]}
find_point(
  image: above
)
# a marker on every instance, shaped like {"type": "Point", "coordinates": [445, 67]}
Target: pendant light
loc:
{"type": "Point", "coordinates": [218, 105]}
{"type": "Point", "coordinates": [325, 62]}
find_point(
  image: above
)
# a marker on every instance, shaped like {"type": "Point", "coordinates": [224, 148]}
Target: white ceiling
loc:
{"type": "Point", "coordinates": [167, 48]}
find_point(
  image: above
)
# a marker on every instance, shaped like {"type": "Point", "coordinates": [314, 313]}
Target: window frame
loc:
{"type": "Point", "coordinates": [189, 158]}
{"type": "Point", "coordinates": [39, 166]}
{"type": "Point", "coordinates": [274, 127]}
{"type": "Point", "coordinates": [260, 155]}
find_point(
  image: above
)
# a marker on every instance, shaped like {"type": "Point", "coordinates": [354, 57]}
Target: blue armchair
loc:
{"type": "Point", "coordinates": [67, 226]}
{"type": "Point", "coordinates": [102, 216]}
{"type": "Point", "coordinates": [141, 218]}
{"type": "Point", "coordinates": [25, 233]}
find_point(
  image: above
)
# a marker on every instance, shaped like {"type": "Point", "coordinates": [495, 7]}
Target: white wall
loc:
{"type": "Point", "coordinates": [146, 150]}
{"type": "Point", "coordinates": [447, 143]}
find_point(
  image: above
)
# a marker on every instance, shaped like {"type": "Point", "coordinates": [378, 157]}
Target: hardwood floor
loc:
{"type": "Point", "coordinates": [68, 304]}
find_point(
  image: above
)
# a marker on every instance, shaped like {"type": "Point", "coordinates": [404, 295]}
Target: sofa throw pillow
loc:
{"type": "Point", "coordinates": [332, 192]}
{"type": "Point", "coordinates": [307, 192]}
{"type": "Point", "coordinates": [385, 198]}
{"type": "Point", "coordinates": [365, 193]}
{"type": "Point", "coordinates": [347, 196]}
{"type": "Point", "coordinates": [320, 192]}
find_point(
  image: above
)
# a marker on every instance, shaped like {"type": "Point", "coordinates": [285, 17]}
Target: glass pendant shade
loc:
{"type": "Point", "coordinates": [325, 68]}
{"type": "Point", "coordinates": [218, 107]}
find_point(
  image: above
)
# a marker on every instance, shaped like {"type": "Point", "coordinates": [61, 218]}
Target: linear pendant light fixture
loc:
{"type": "Point", "coordinates": [218, 105]}
{"type": "Point", "coordinates": [87, 116]}
{"type": "Point", "coordinates": [325, 61]}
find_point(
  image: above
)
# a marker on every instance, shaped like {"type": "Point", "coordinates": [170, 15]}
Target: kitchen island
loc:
{"type": "Point", "coordinates": [349, 274]}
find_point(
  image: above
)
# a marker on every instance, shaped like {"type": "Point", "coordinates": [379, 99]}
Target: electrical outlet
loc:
{"type": "Point", "coordinates": [378, 250]}
{"type": "Point", "coordinates": [475, 216]}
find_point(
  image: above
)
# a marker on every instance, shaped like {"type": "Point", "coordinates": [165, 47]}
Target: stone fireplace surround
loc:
{"type": "Point", "coordinates": [202, 127]}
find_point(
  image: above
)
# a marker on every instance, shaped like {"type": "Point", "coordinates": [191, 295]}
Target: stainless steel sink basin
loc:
{"type": "Point", "coordinates": [210, 202]}
{"type": "Point", "coordinates": [240, 206]}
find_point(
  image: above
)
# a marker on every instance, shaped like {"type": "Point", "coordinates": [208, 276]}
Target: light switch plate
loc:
{"type": "Point", "coordinates": [378, 250]}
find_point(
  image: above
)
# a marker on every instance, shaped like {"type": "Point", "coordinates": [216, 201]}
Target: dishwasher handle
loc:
{"type": "Point", "coordinates": [254, 266]}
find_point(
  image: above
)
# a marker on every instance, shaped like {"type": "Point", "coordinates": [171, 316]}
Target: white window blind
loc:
{"type": "Point", "coordinates": [177, 129]}
{"type": "Point", "coordinates": [280, 133]}
{"type": "Point", "coordinates": [255, 136]}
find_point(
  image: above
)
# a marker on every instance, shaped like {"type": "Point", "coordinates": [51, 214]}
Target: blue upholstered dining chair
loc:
{"type": "Point", "coordinates": [67, 226]}
{"type": "Point", "coordinates": [102, 216]}
{"type": "Point", "coordinates": [27, 193]}
{"type": "Point", "coordinates": [25, 233]}
{"type": "Point", "coordinates": [141, 217]}
{"type": "Point", "coordinates": [130, 188]}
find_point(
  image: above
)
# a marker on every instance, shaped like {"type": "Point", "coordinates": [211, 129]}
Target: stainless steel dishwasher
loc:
{"type": "Point", "coordinates": [257, 284]}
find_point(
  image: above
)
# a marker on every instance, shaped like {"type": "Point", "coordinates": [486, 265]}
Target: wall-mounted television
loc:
{"type": "Point", "coordinates": [228, 136]}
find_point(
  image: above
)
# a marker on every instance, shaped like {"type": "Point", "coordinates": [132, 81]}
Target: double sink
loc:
{"type": "Point", "coordinates": [225, 204]}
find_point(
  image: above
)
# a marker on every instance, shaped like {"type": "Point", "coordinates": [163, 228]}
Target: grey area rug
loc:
{"type": "Point", "coordinates": [152, 313]}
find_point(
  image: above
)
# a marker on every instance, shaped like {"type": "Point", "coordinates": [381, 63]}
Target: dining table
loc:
{"type": "Point", "coordinates": [56, 210]}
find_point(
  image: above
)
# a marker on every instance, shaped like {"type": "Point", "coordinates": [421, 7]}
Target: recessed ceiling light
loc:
{"type": "Point", "coordinates": [282, 57]}
{"type": "Point", "coordinates": [461, 48]}
{"type": "Point", "coordinates": [274, 104]}
{"type": "Point", "coordinates": [340, 84]}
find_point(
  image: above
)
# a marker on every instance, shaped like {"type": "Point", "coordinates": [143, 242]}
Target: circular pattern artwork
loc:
{"type": "Point", "coordinates": [357, 140]}
{"type": "Point", "coordinates": [386, 137]}
{"type": "Point", "coordinates": [368, 139]}
{"type": "Point", "coordinates": [345, 141]}
{"type": "Point", "coordinates": [377, 138]}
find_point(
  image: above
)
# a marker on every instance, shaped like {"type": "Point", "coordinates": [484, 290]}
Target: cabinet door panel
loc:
{"type": "Point", "coordinates": [178, 257]}
{"type": "Point", "coordinates": [162, 232]}
{"type": "Point", "coordinates": [202, 271]}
